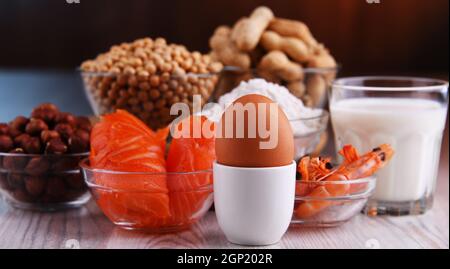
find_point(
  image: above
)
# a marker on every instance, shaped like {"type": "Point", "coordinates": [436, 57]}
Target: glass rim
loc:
{"type": "Point", "coordinates": [91, 185]}
{"type": "Point", "coordinates": [84, 164]}
{"type": "Point", "coordinates": [111, 74]}
{"type": "Point", "coordinates": [339, 182]}
{"type": "Point", "coordinates": [323, 114]}
{"type": "Point", "coordinates": [7, 154]}
{"type": "Point", "coordinates": [351, 196]}
{"type": "Point", "coordinates": [305, 69]}
{"type": "Point", "coordinates": [342, 83]}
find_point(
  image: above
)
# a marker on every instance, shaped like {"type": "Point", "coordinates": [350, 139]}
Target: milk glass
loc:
{"type": "Point", "coordinates": [407, 113]}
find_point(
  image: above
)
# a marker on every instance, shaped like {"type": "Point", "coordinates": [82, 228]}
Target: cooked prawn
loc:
{"type": "Point", "coordinates": [353, 167]}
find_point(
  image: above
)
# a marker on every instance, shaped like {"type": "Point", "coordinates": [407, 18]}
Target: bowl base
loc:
{"type": "Point", "coordinates": [252, 244]}
{"type": "Point", "coordinates": [49, 207]}
{"type": "Point", "coordinates": [158, 230]}
{"type": "Point", "coordinates": [321, 224]}
{"type": "Point", "coordinates": [380, 208]}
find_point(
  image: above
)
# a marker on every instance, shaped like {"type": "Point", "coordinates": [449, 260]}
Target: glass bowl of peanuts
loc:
{"type": "Point", "coordinates": [146, 77]}
{"type": "Point", "coordinates": [330, 203]}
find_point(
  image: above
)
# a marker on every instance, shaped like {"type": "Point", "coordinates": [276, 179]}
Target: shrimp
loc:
{"type": "Point", "coordinates": [311, 169]}
{"type": "Point", "coordinates": [353, 167]}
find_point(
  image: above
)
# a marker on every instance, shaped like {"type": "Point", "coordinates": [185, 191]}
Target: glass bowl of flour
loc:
{"type": "Point", "coordinates": [309, 134]}
{"type": "Point", "coordinates": [311, 89]}
{"type": "Point", "coordinates": [308, 124]}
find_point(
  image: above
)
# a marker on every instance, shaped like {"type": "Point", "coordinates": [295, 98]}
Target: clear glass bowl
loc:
{"type": "Point", "coordinates": [310, 134]}
{"type": "Point", "coordinates": [330, 203]}
{"type": "Point", "coordinates": [311, 89]}
{"type": "Point", "coordinates": [135, 200]}
{"type": "Point", "coordinates": [148, 97]}
{"type": "Point", "coordinates": [42, 182]}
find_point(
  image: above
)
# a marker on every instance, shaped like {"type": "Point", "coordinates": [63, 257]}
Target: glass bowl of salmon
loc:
{"type": "Point", "coordinates": [330, 203]}
{"type": "Point", "coordinates": [159, 202]}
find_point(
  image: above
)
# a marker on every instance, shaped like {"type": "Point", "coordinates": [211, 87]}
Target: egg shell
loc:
{"type": "Point", "coordinates": [246, 151]}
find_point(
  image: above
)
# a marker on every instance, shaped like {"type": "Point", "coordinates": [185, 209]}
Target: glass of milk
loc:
{"type": "Point", "coordinates": [407, 113]}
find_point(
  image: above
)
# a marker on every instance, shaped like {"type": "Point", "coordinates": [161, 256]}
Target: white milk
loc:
{"type": "Point", "coordinates": [413, 127]}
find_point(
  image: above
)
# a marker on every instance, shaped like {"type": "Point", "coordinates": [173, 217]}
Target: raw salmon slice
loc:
{"type": "Point", "coordinates": [121, 142]}
{"type": "Point", "coordinates": [189, 192]}
{"type": "Point", "coordinates": [136, 209]}
{"type": "Point", "coordinates": [187, 205]}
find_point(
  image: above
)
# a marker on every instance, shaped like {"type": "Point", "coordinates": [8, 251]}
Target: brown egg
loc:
{"type": "Point", "coordinates": [258, 137]}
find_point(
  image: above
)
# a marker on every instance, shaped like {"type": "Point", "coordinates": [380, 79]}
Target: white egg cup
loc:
{"type": "Point", "coordinates": [254, 205]}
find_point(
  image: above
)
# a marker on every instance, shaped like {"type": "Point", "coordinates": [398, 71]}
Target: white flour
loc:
{"type": "Point", "coordinates": [291, 105]}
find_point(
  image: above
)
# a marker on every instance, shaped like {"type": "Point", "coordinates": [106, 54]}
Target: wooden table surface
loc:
{"type": "Point", "coordinates": [88, 228]}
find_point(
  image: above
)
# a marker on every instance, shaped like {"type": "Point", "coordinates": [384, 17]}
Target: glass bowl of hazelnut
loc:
{"type": "Point", "coordinates": [39, 159]}
{"type": "Point", "coordinates": [146, 77]}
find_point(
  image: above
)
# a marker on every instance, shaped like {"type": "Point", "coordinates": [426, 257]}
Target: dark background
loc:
{"type": "Point", "coordinates": [43, 41]}
{"type": "Point", "coordinates": [393, 37]}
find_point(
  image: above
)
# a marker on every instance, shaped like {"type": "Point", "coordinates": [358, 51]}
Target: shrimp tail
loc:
{"type": "Point", "coordinates": [349, 153]}
{"type": "Point", "coordinates": [313, 169]}
{"type": "Point", "coordinates": [367, 164]}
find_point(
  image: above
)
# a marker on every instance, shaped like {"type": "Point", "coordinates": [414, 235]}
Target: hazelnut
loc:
{"type": "Point", "coordinates": [55, 187]}
{"type": "Point", "coordinates": [18, 140]}
{"type": "Point", "coordinates": [55, 146]}
{"type": "Point", "coordinates": [6, 143]}
{"type": "Point", "coordinates": [15, 180]}
{"type": "Point", "coordinates": [36, 126]}
{"type": "Point", "coordinates": [48, 135]}
{"type": "Point", "coordinates": [35, 186]}
{"type": "Point", "coordinates": [64, 163]}
{"type": "Point", "coordinates": [15, 163]}
{"type": "Point", "coordinates": [46, 112]}
{"type": "Point", "coordinates": [17, 126]}
{"type": "Point", "coordinates": [4, 184]}
{"type": "Point", "coordinates": [64, 130]}
{"type": "Point", "coordinates": [19, 123]}
{"type": "Point", "coordinates": [22, 195]}
{"type": "Point", "coordinates": [37, 166]}
{"type": "Point", "coordinates": [75, 181]}
{"type": "Point", "coordinates": [4, 129]}
{"type": "Point", "coordinates": [79, 142]}
{"type": "Point", "coordinates": [84, 123]}
{"type": "Point", "coordinates": [32, 145]}
{"type": "Point", "coordinates": [14, 132]}
{"type": "Point", "coordinates": [68, 118]}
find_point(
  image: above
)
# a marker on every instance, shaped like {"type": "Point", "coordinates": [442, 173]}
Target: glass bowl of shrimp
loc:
{"type": "Point", "coordinates": [328, 195]}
